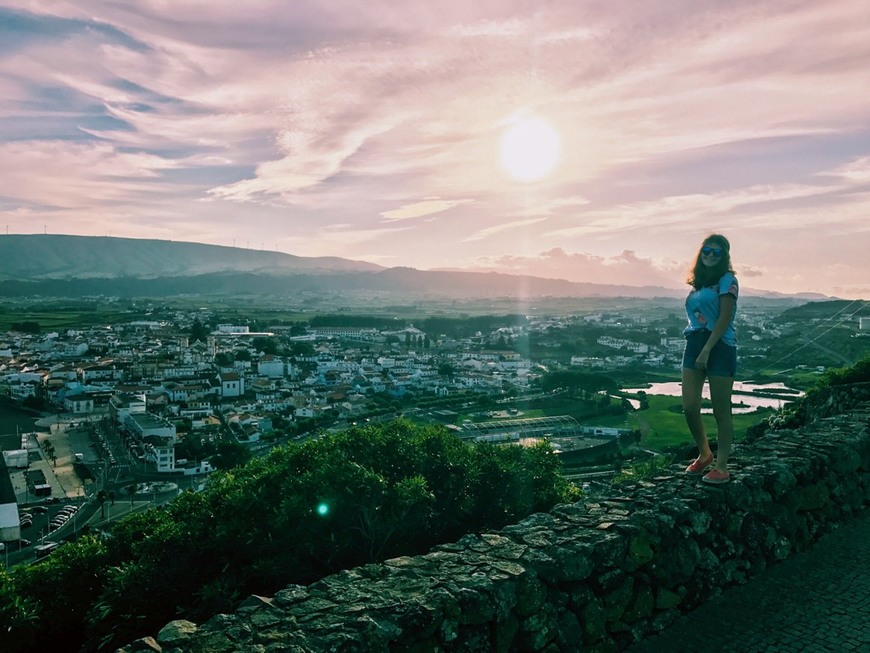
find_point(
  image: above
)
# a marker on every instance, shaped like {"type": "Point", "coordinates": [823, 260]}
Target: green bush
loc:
{"type": "Point", "coordinates": [857, 373]}
{"type": "Point", "coordinates": [646, 469]}
{"type": "Point", "coordinates": [798, 413]}
{"type": "Point", "coordinates": [294, 516]}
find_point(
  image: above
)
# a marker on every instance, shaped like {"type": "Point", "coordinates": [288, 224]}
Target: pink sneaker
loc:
{"type": "Point", "coordinates": [698, 466]}
{"type": "Point", "coordinates": [715, 476]}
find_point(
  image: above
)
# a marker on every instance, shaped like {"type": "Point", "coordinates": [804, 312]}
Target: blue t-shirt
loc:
{"type": "Point", "coordinates": [702, 308]}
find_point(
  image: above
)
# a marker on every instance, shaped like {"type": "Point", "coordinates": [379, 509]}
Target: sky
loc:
{"type": "Point", "coordinates": [588, 140]}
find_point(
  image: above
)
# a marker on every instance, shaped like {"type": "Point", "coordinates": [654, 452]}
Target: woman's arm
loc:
{"type": "Point", "coordinates": [727, 303]}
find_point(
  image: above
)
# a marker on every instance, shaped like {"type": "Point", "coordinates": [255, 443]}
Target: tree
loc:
{"type": "Point", "coordinates": [643, 400]}
{"type": "Point", "coordinates": [26, 327]}
{"type": "Point", "coordinates": [583, 382]}
{"type": "Point", "coordinates": [33, 402]}
{"type": "Point", "coordinates": [266, 345]}
{"type": "Point", "coordinates": [230, 454]}
{"type": "Point", "coordinates": [19, 614]}
{"type": "Point", "coordinates": [63, 587]}
{"type": "Point", "coordinates": [301, 349]}
{"type": "Point", "coordinates": [101, 499]}
{"type": "Point", "coordinates": [198, 331]}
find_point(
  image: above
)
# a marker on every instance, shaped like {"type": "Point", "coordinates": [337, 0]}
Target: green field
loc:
{"type": "Point", "coordinates": [56, 317]}
{"type": "Point", "coordinates": [662, 423]}
{"type": "Point", "coordinates": [667, 426]}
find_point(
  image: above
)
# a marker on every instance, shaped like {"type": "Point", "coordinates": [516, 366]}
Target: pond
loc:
{"type": "Point", "coordinates": [741, 403]}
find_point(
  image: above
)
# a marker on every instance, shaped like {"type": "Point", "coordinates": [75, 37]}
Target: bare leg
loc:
{"type": "Point", "coordinates": [693, 383]}
{"type": "Point", "coordinates": [720, 396]}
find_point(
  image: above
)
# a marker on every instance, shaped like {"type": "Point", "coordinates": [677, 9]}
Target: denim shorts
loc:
{"type": "Point", "coordinates": [723, 358]}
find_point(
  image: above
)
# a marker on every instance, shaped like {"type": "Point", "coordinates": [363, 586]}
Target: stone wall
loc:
{"type": "Point", "coordinates": [832, 400]}
{"type": "Point", "coordinates": [591, 576]}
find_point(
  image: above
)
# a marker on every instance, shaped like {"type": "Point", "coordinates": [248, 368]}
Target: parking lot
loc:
{"type": "Point", "coordinates": [58, 513]}
{"type": "Point", "coordinates": [48, 520]}
{"type": "Point", "coordinates": [56, 448]}
{"type": "Point", "coordinates": [65, 441]}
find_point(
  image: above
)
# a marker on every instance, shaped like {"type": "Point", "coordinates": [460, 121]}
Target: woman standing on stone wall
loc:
{"type": "Point", "coordinates": [711, 353]}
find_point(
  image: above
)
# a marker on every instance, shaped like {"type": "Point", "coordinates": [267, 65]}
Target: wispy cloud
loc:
{"type": "Point", "coordinates": [499, 228]}
{"type": "Point", "coordinates": [317, 125]}
{"type": "Point", "coordinates": [428, 206]}
{"type": "Point", "coordinates": [623, 268]}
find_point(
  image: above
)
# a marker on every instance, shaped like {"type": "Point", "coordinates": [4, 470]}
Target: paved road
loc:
{"type": "Point", "coordinates": [814, 602]}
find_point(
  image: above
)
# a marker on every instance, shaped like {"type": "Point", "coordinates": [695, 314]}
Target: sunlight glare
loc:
{"type": "Point", "coordinates": [530, 149]}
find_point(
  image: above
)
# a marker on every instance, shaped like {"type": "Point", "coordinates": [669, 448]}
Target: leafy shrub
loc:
{"type": "Point", "coordinates": [857, 373]}
{"type": "Point", "coordinates": [646, 469]}
{"type": "Point", "coordinates": [296, 515]}
{"type": "Point", "coordinates": [800, 412]}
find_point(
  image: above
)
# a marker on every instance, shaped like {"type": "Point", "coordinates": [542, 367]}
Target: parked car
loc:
{"type": "Point", "coordinates": [40, 509]}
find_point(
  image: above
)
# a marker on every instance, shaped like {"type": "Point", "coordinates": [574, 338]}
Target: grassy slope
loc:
{"type": "Point", "coordinates": [667, 426]}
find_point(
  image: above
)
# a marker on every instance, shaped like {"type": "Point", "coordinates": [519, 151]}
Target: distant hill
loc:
{"type": "Point", "coordinates": [833, 311]}
{"type": "Point", "coordinates": [40, 256]}
{"type": "Point", "coordinates": [74, 266]}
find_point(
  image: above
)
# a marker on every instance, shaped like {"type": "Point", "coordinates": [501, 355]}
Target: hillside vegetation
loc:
{"type": "Point", "coordinates": [299, 514]}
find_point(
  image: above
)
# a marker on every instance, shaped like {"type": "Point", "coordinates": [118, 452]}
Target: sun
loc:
{"type": "Point", "coordinates": [529, 149]}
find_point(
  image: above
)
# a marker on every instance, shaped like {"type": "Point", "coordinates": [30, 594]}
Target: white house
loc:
{"type": "Point", "coordinates": [79, 404]}
{"type": "Point", "coordinates": [123, 405]}
{"type": "Point", "coordinates": [232, 384]}
{"type": "Point", "coordinates": [161, 438]}
{"type": "Point", "coordinates": [271, 367]}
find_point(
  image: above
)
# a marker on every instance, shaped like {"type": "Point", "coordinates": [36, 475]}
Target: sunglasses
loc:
{"type": "Point", "coordinates": [715, 251]}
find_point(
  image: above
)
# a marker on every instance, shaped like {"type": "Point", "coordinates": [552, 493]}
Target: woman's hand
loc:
{"type": "Point", "coordinates": [701, 360]}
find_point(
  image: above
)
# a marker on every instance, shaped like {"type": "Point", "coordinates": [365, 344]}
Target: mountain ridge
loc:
{"type": "Point", "coordinates": [52, 256]}
{"type": "Point", "coordinates": [65, 265]}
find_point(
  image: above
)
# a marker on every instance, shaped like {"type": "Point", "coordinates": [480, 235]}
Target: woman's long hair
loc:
{"type": "Point", "coordinates": [701, 276]}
